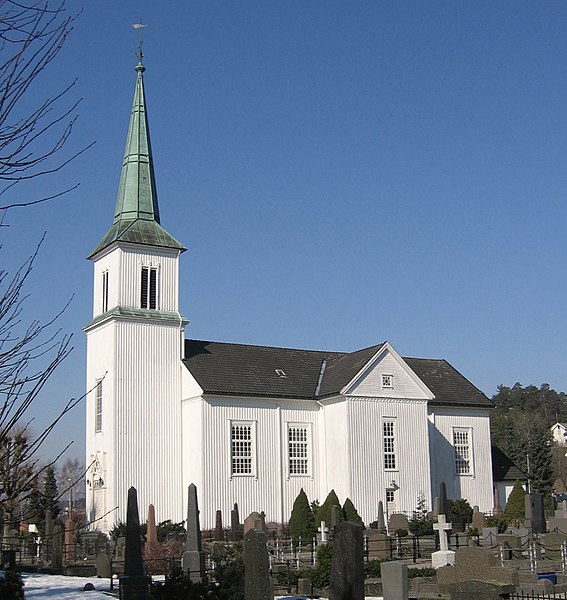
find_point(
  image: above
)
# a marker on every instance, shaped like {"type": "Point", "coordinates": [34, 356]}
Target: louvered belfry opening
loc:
{"type": "Point", "coordinates": [149, 288]}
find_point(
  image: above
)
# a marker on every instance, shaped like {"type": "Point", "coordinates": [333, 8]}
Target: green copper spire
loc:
{"type": "Point", "coordinates": [136, 217]}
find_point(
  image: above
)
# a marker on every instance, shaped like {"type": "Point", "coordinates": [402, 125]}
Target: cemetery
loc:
{"type": "Point", "coordinates": [396, 558]}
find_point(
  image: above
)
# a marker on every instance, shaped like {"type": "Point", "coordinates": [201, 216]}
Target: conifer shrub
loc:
{"type": "Point", "coordinates": [515, 510]}
{"type": "Point", "coordinates": [301, 522]}
{"type": "Point", "coordinates": [324, 512]}
{"type": "Point", "coordinates": [12, 587]}
{"type": "Point", "coordinates": [351, 514]}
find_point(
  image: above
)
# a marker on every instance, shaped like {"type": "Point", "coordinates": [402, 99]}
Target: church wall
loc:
{"type": "Point", "coordinates": [404, 385]}
{"type": "Point", "coordinates": [192, 449]}
{"type": "Point", "coordinates": [269, 488]}
{"type": "Point", "coordinates": [101, 346]}
{"type": "Point", "coordinates": [335, 456]}
{"type": "Point", "coordinates": [109, 261]}
{"type": "Point", "coordinates": [477, 486]}
{"type": "Point", "coordinates": [148, 417]}
{"type": "Point", "coordinates": [131, 262]}
{"type": "Point", "coordinates": [369, 477]}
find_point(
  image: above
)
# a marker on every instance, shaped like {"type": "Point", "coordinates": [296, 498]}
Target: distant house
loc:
{"type": "Point", "coordinates": [559, 432]}
{"type": "Point", "coordinates": [504, 474]}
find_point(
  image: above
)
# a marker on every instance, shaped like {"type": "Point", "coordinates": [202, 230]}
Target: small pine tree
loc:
{"type": "Point", "coordinates": [301, 522]}
{"type": "Point", "coordinates": [515, 506]}
{"type": "Point", "coordinates": [351, 514]}
{"type": "Point", "coordinates": [324, 512]}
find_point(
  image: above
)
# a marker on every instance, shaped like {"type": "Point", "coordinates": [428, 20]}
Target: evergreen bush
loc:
{"type": "Point", "coordinates": [12, 588]}
{"type": "Point", "coordinates": [351, 514]}
{"type": "Point", "coordinates": [301, 522]}
{"type": "Point", "coordinates": [515, 506]}
{"type": "Point", "coordinates": [324, 512]}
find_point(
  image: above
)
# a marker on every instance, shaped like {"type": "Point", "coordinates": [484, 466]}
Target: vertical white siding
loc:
{"type": "Point", "coordinates": [476, 487]}
{"type": "Point", "coordinates": [271, 489]}
{"type": "Point", "coordinates": [369, 478]}
{"type": "Point", "coordinates": [336, 461]}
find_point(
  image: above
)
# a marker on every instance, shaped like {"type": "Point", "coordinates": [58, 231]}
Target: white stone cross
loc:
{"type": "Point", "coordinates": [323, 531]}
{"type": "Point", "coordinates": [443, 528]}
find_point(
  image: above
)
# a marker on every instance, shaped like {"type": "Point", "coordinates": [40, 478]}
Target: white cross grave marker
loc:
{"type": "Point", "coordinates": [323, 531]}
{"type": "Point", "coordinates": [443, 528]}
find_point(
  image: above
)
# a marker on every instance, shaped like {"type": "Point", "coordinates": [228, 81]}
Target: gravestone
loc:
{"type": "Point", "coordinates": [538, 514]}
{"type": "Point", "coordinates": [398, 524]}
{"type": "Point", "coordinates": [323, 532]}
{"type": "Point", "coordinates": [444, 556]}
{"type": "Point", "coordinates": [443, 508]}
{"type": "Point", "coordinates": [528, 510]}
{"type": "Point", "coordinates": [152, 556]}
{"type": "Point", "coordinates": [380, 521]}
{"type": "Point", "coordinates": [194, 558]}
{"type": "Point", "coordinates": [523, 533]}
{"type": "Point", "coordinates": [69, 548]}
{"type": "Point", "coordinates": [378, 545]}
{"type": "Point", "coordinates": [103, 566]}
{"type": "Point", "coordinates": [134, 585]}
{"type": "Point", "coordinates": [435, 506]}
{"type": "Point", "coordinates": [479, 590]}
{"type": "Point", "coordinates": [120, 548]}
{"type": "Point", "coordinates": [489, 537]}
{"type": "Point", "coordinates": [394, 575]}
{"type": "Point", "coordinates": [335, 516]}
{"type": "Point", "coordinates": [219, 533]}
{"type": "Point", "coordinates": [552, 543]}
{"type": "Point", "coordinates": [497, 508]}
{"type": "Point", "coordinates": [253, 521]}
{"type": "Point", "coordinates": [57, 553]}
{"type": "Point", "coordinates": [474, 563]}
{"type": "Point", "coordinates": [235, 526]}
{"type": "Point", "coordinates": [304, 587]}
{"type": "Point", "coordinates": [347, 566]}
{"type": "Point", "coordinates": [478, 521]}
{"type": "Point", "coordinates": [256, 566]}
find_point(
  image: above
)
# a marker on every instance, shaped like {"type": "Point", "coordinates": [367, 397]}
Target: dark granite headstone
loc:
{"type": "Point", "coordinates": [347, 567]}
{"type": "Point", "coordinates": [219, 533]}
{"type": "Point", "coordinates": [235, 526]}
{"type": "Point", "coordinates": [335, 516]}
{"type": "Point", "coordinates": [256, 566]}
{"type": "Point", "coordinates": [103, 566]}
{"type": "Point", "coordinates": [538, 515]}
{"type": "Point", "coordinates": [194, 557]}
{"type": "Point", "coordinates": [134, 585]}
{"type": "Point", "coordinates": [47, 545]}
{"type": "Point", "coordinates": [398, 524]}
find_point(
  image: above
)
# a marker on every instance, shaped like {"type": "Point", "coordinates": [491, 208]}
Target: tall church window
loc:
{"type": "Point", "coordinates": [149, 291]}
{"type": "Point", "coordinates": [298, 449]}
{"type": "Point", "coordinates": [104, 291]}
{"type": "Point", "coordinates": [461, 444]}
{"type": "Point", "coordinates": [98, 406]}
{"type": "Point", "coordinates": [242, 448]}
{"type": "Point", "coordinates": [389, 443]}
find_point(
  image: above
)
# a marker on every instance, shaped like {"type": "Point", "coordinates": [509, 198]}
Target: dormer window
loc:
{"type": "Point", "coordinates": [149, 291]}
{"type": "Point", "coordinates": [387, 381]}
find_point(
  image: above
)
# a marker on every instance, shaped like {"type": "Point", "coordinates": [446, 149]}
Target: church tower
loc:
{"type": "Point", "coordinates": [134, 347]}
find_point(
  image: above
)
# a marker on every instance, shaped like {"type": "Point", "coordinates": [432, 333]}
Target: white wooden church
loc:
{"type": "Point", "coordinates": [252, 424]}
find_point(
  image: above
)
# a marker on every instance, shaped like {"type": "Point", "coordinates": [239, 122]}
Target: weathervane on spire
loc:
{"type": "Point", "coordinates": [139, 26]}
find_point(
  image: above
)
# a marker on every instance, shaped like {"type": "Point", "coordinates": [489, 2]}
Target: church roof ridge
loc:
{"type": "Point", "coordinates": [136, 215]}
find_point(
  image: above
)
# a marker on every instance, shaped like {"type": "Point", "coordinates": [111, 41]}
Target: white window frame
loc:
{"type": "Point", "coordinates": [104, 291]}
{"type": "Point", "coordinates": [463, 451]}
{"type": "Point", "coordinates": [389, 443]}
{"type": "Point", "coordinates": [235, 456]}
{"type": "Point", "coordinates": [146, 298]}
{"type": "Point", "coordinates": [387, 381]}
{"type": "Point", "coordinates": [98, 406]}
{"type": "Point", "coordinates": [294, 447]}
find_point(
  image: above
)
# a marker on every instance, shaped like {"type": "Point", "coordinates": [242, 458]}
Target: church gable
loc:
{"type": "Point", "coordinates": [387, 375]}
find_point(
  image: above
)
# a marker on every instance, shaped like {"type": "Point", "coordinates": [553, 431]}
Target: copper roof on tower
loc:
{"type": "Point", "coordinates": [136, 217]}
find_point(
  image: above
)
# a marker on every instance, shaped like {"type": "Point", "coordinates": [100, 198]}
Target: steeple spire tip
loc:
{"type": "Point", "coordinates": [139, 26]}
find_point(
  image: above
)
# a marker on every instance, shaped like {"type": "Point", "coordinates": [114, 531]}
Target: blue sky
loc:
{"type": "Point", "coordinates": [342, 173]}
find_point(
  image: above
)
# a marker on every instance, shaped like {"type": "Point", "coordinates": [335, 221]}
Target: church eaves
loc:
{"type": "Point", "coordinates": [136, 217]}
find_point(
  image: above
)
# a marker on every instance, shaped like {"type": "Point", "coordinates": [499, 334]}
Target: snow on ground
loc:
{"type": "Point", "coordinates": [40, 587]}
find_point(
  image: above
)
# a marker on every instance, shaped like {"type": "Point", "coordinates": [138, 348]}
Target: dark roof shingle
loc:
{"type": "Point", "coordinates": [265, 371]}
